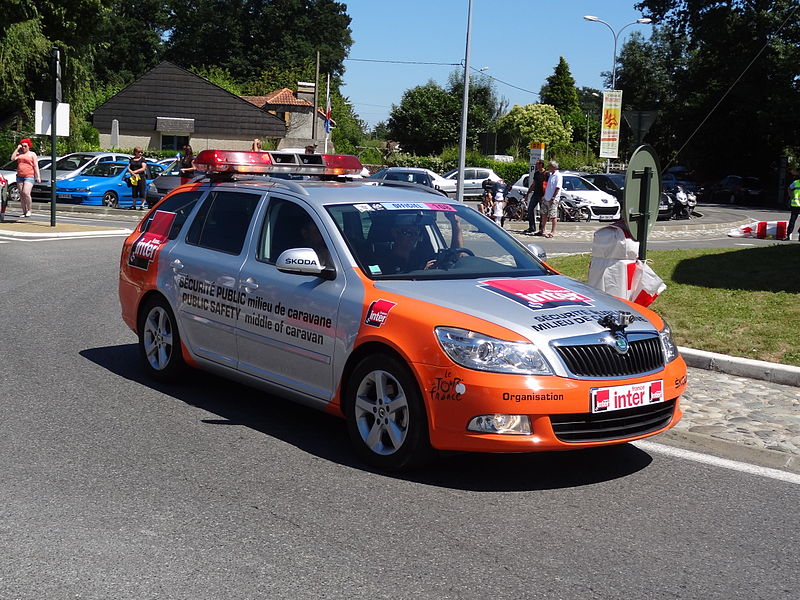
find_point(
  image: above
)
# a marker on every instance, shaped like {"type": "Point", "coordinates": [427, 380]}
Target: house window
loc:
{"type": "Point", "coordinates": [174, 142]}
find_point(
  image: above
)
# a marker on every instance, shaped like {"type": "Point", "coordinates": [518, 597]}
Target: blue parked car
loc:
{"type": "Point", "coordinates": [103, 184]}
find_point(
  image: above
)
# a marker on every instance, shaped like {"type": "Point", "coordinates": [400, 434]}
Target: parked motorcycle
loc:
{"type": "Point", "coordinates": [515, 210]}
{"type": "Point", "coordinates": [570, 210]}
{"type": "Point", "coordinates": [665, 203]}
{"type": "Point", "coordinates": [681, 207]}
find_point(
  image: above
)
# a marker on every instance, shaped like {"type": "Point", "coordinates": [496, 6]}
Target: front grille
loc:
{"type": "Point", "coordinates": [615, 425]}
{"type": "Point", "coordinates": [605, 210]}
{"type": "Point", "coordinates": [601, 360]}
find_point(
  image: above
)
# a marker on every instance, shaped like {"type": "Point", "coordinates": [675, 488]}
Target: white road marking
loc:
{"type": "Point", "coordinates": [740, 244]}
{"type": "Point", "coordinates": [717, 461]}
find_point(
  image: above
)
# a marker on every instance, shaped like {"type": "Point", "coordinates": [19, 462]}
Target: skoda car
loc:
{"type": "Point", "coordinates": [416, 319]}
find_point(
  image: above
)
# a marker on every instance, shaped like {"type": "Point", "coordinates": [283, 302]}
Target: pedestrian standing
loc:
{"type": "Point", "coordinates": [794, 205]}
{"type": "Point", "coordinates": [534, 196]}
{"type": "Point", "coordinates": [550, 200]}
{"type": "Point", "coordinates": [499, 195]}
{"type": "Point", "coordinates": [27, 173]}
{"type": "Point", "coordinates": [136, 170]}
{"type": "Point", "coordinates": [187, 164]}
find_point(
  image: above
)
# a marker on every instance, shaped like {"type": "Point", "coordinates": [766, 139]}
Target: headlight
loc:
{"type": "Point", "coordinates": [483, 353]}
{"type": "Point", "coordinates": [670, 349]}
{"type": "Point", "coordinates": [80, 190]}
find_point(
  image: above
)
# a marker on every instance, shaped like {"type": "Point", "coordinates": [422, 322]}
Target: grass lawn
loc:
{"type": "Point", "coordinates": [739, 302]}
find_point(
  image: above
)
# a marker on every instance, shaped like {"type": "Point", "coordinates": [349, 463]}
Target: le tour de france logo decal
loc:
{"type": "Point", "coordinates": [145, 249]}
{"type": "Point", "coordinates": [536, 294]}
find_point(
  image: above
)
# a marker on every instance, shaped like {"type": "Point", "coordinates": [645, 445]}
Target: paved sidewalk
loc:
{"type": "Point", "coordinates": [749, 419]}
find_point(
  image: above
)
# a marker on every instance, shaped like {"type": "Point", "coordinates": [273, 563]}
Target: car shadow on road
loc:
{"type": "Point", "coordinates": [744, 269]}
{"type": "Point", "coordinates": [325, 436]}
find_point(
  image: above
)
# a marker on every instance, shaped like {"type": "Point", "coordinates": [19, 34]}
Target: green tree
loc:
{"type": "Point", "coordinates": [729, 115]}
{"type": "Point", "coordinates": [242, 36]}
{"type": "Point", "coordinates": [534, 123]}
{"type": "Point", "coordinates": [559, 91]}
{"type": "Point", "coordinates": [424, 121]}
{"type": "Point", "coordinates": [129, 41]}
{"type": "Point", "coordinates": [349, 131]}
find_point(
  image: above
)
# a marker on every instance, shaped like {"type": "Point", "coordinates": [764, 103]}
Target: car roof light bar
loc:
{"type": "Point", "coordinates": [239, 161]}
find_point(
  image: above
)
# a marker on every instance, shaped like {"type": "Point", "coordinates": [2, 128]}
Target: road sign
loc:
{"type": "Point", "coordinates": [642, 191]}
{"type": "Point", "coordinates": [640, 122]}
{"type": "Point", "coordinates": [43, 118]}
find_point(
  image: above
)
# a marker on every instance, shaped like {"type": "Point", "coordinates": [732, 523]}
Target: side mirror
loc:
{"type": "Point", "coordinates": [537, 251]}
{"type": "Point", "coordinates": [303, 261]}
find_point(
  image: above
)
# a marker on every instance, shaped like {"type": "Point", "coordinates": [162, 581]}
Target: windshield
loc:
{"type": "Point", "coordinates": [574, 183]}
{"type": "Point", "coordinates": [423, 240]}
{"type": "Point", "coordinates": [70, 163]}
{"type": "Point", "coordinates": [104, 170]}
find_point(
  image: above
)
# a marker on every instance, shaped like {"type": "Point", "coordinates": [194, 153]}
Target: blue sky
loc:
{"type": "Point", "coordinates": [519, 40]}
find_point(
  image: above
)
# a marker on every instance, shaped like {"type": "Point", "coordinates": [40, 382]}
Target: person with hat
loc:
{"type": "Point", "coordinates": [27, 173]}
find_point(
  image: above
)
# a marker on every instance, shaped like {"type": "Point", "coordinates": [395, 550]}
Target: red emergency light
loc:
{"type": "Point", "coordinates": [239, 161]}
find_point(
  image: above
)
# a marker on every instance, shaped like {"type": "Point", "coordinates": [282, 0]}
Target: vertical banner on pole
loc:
{"type": "Point", "coordinates": [609, 134]}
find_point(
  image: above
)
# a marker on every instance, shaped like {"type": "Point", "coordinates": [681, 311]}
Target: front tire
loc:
{"type": "Point", "coordinates": [13, 193]}
{"type": "Point", "coordinates": [160, 341]}
{"type": "Point", "coordinates": [385, 414]}
{"type": "Point", "coordinates": [110, 199]}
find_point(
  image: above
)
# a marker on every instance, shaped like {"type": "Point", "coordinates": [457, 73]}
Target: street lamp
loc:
{"type": "Point", "coordinates": [642, 21]}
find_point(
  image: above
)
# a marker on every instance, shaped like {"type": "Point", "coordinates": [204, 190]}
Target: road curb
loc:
{"type": "Point", "coordinates": [69, 234]}
{"type": "Point", "coordinates": [742, 367]}
{"type": "Point", "coordinates": [707, 444]}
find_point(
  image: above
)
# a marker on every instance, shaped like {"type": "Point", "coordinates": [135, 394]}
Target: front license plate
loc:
{"type": "Point", "coordinates": [606, 217]}
{"type": "Point", "coordinates": [620, 397]}
{"type": "Point", "coordinates": [64, 196]}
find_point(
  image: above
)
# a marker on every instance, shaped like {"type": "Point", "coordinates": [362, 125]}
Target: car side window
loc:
{"type": "Point", "coordinates": [468, 174]}
{"type": "Point", "coordinates": [181, 204]}
{"type": "Point", "coordinates": [289, 225]}
{"type": "Point", "coordinates": [222, 222]}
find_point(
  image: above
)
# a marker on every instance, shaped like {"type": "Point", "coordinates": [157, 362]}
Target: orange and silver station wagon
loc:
{"type": "Point", "coordinates": [415, 318]}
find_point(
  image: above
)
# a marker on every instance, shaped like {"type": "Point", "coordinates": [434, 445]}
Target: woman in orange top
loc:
{"type": "Point", "coordinates": [27, 172]}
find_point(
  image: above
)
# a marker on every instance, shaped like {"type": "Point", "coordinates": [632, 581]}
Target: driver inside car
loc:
{"type": "Point", "coordinates": [409, 248]}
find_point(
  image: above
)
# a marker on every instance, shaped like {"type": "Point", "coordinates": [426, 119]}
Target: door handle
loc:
{"type": "Point", "coordinates": [177, 264]}
{"type": "Point", "coordinates": [249, 285]}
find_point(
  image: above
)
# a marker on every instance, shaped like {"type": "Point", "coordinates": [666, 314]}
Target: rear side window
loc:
{"type": "Point", "coordinates": [222, 222]}
{"type": "Point", "coordinates": [181, 204]}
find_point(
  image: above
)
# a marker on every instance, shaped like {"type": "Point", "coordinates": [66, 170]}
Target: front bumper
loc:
{"type": "Point", "coordinates": [558, 409]}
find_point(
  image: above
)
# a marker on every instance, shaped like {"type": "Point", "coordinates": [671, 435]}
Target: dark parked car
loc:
{"type": "Point", "coordinates": [735, 189]}
{"type": "Point", "coordinates": [169, 179]}
{"type": "Point", "coordinates": [611, 183]}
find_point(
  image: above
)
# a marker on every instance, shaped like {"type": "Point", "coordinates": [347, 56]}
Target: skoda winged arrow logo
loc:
{"type": "Point", "coordinates": [621, 344]}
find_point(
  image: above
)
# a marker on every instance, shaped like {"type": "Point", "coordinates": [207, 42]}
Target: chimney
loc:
{"type": "Point", "coordinates": [305, 91]}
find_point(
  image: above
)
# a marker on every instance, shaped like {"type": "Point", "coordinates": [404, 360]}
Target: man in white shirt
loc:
{"type": "Point", "coordinates": [552, 194]}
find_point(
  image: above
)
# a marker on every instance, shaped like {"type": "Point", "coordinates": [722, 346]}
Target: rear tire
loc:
{"type": "Point", "coordinates": [385, 413]}
{"type": "Point", "coordinates": [160, 341]}
{"type": "Point", "coordinates": [13, 193]}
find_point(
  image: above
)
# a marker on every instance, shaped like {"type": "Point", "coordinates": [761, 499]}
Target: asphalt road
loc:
{"type": "Point", "coordinates": [116, 487]}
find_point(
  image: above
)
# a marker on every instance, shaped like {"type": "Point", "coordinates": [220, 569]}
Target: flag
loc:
{"type": "Point", "coordinates": [328, 107]}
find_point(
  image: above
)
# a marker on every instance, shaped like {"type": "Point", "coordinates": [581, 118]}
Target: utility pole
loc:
{"type": "Point", "coordinates": [55, 68]}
